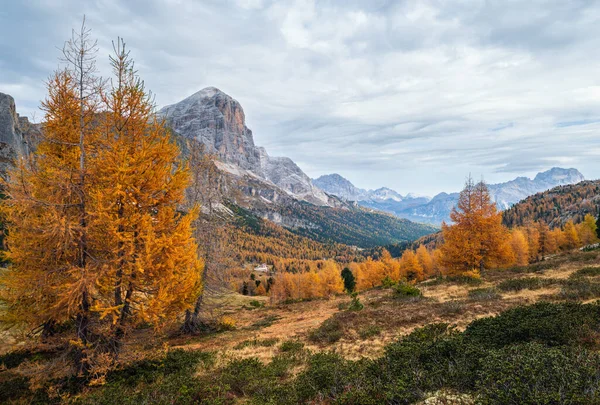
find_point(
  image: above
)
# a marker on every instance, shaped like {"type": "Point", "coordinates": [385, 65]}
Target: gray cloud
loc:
{"type": "Point", "coordinates": [412, 95]}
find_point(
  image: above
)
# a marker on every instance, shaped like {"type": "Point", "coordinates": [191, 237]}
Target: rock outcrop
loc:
{"type": "Point", "coordinates": [12, 140]}
{"type": "Point", "coordinates": [218, 121]}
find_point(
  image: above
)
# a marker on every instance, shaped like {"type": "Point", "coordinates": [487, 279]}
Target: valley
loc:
{"type": "Point", "coordinates": [154, 253]}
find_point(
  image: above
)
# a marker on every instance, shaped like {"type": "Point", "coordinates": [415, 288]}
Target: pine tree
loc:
{"type": "Point", "coordinates": [349, 281]}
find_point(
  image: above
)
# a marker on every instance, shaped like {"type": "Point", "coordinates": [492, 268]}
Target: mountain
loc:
{"type": "Point", "coordinates": [343, 188]}
{"type": "Point", "coordinates": [218, 121]}
{"type": "Point", "coordinates": [13, 142]}
{"type": "Point", "coordinates": [557, 205]}
{"type": "Point", "coordinates": [275, 188]}
{"type": "Point", "coordinates": [437, 209]}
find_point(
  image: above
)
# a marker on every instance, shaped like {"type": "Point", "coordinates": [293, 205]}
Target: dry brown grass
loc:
{"type": "Point", "coordinates": [442, 302]}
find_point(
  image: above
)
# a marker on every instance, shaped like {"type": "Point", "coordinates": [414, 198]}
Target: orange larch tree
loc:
{"type": "Point", "coordinates": [140, 257]}
{"type": "Point", "coordinates": [477, 239]}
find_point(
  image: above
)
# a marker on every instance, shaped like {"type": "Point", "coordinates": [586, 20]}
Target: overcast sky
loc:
{"type": "Point", "coordinates": [413, 95]}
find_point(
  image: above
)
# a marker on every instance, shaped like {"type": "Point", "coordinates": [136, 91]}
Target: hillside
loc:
{"type": "Point", "coordinates": [557, 205]}
{"type": "Point", "coordinates": [489, 342]}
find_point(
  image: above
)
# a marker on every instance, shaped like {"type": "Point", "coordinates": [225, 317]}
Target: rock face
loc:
{"type": "Point", "coordinates": [338, 185]}
{"type": "Point", "coordinates": [12, 142]}
{"type": "Point", "coordinates": [218, 121]}
{"type": "Point", "coordinates": [437, 210]}
{"type": "Point", "coordinates": [341, 187]}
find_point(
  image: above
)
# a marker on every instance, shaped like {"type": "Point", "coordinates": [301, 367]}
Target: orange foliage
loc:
{"type": "Point", "coordinates": [477, 239]}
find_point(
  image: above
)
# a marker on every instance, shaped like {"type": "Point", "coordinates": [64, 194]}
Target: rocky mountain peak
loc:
{"type": "Point", "coordinates": [559, 176]}
{"type": "Point", "coordinates": [218, 121]}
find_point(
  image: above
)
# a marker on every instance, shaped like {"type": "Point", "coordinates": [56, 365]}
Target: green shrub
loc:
{"type": "Point", "coordinates": [265, 322]}
{"type": "Point", "coordinates": [550, 324]}
{"type": "Point", "coordinates": [535, 374]}
{"type": "Point", "coordinates": [405, 290]}
{"type": "Point", "coordinates": [256, 343]}
{"type": "Point", "coordinates": [355, 304]}
{"type": "Point", "coordinates": [534, 268]}
{"type": "Point", "coordinates": [452, 307]}
{"type": "Point", "coordinates": [330, 331]}
{"type": "Point", "coordinates": [586, 272]}
{"type": "Point", "coordinates": [369, 331]}
{"type": "Point", "coordinates": [464, 280]}
{"type": "Point", "coordinates": [387, 282]}
{"type": "Point", "coordinates": [291, 346]}
{"type": "Point", "coordinates": [256, 304]}
{"type": "Point", "coordinates": [525, 283]}
{"type": "Point", "coordinates": [329, 378]}
{"type": "Point", "coordinates": [428, 359]}
{"type": "Point", "coordinates": [484, 294]}
{"type": "Point", "coordinates": [577, 289]}
{"type": "Point", "coordinates": [243, 376]}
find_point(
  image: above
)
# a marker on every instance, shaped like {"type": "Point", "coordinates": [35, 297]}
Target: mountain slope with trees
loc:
{"type": "Point", "coordinates": [556, 206]}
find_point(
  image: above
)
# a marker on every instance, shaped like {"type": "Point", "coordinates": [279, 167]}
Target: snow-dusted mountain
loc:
{"type": "Point", "coordinates": [218, 121]}
{"type": "Point", "coordinates": [437, 209]}
{"type": "Point", "coordinates": [343, 188]}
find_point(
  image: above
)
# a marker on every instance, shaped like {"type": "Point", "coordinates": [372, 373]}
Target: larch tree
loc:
{"type": "Point", "coordinates": [410, 267]}
{"type": "Point", "coordinates": [151, 269]}
{"type": "Point", "coordinates": [586, 230]}
{"type": "Point", "coordinates": [425, 260]}
{"type": "Point", "coordinates": [570, 236]}
{"type": "Point", "coordinates": [129, 255]}
{"type": "Point", "coordinates": [520, 247]}
{"type": "Point", "coordinates": [47, 281]}
{"type": "Point", "coordinates": [477, 239]}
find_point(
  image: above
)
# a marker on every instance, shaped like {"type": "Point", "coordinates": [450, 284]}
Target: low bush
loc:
{"type": "Point", "coordinates": [355, 304]}
{"type": "Point", "coordinates": [452, 307]}
{"type": "Point", "coordinates": [586, 272]}
{"type": "Point", "coordinates": [291, 346]}
{"type": "Point", "coordinates": [484, 294]}
{"type": "Point", "coordinates": [405, 290]}
{"type": "Point", "coordinates": [265, 322]}
{"type": "Point", "coordinates": [369, 332]}
{"type": "Point", "coordinates": [330, 331]}
{"type": "Point", "coordinates": [525, 283]}
{"type": "Point", "coordinates": [468, 280]}
{"type": "Point", "coordinates": [534, 267]}
{"type": "Point", "coordinates": [550, 324]}
{"type": "Point", "coordinates": [577, 289]}
{"type": "Point", "coordinates": [532, 373]}
{"type": "Point", "coordinates": [256, 343]}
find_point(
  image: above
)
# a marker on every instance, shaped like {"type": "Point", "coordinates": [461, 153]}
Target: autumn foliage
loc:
{"type": "Point", "coordinates": [99, 240]}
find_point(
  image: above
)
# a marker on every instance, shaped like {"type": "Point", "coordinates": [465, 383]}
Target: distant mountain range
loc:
{"type": "Point", "coordinates": [437, 209]}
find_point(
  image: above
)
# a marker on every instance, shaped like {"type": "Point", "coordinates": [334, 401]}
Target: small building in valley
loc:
{"type": "Point", "coordinates": [263, 268]}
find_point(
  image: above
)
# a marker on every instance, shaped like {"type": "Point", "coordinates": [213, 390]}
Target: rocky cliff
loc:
{"type": "Point", "coordinates": [218, 121]}
{"type": "Point", "coordinates": [13, 133]}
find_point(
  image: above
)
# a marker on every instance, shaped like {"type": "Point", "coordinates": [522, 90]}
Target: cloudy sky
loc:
{"type": "Point", "coordinates": [413, 95]}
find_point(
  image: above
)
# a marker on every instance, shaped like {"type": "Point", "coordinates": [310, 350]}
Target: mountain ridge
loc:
{"type": "Point", "coordinates": [437, 209]}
